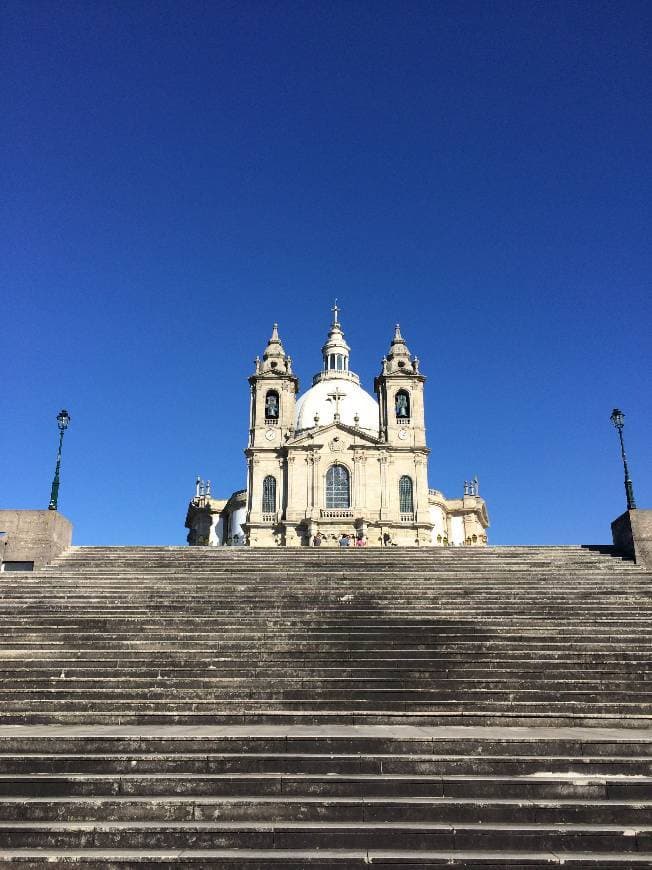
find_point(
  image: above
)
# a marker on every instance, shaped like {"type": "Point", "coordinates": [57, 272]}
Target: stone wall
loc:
{"type": "Point", "coordinates": [632, 536]}
{"type": "Point", "coordinates": [33, 536]}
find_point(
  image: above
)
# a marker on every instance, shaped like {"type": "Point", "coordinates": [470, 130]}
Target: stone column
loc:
{"type": "Point", "coordinates": [384, 503]}
{"type": "Point", "coordinates": [316, 495]}
{"type": "Point", "coordinates": [363, 480]}
{"type": "Point", "coordinates": [252, 413]}
{"type": "Point", "coordinates": [357, 474]}
{"type": "Point", "coordinates": [421, 509]}
{"type": "Point", "coordinates": [250, 483]}
{"type": "Point", "coordinates": [254, 488]}
{"type": "Point", "coordinates": [289, 504]}
{"type": "Point", "coordinates": [309, 483]}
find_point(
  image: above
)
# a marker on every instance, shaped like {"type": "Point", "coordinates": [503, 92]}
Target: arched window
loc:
{"type": "Point", "coordinates": [337, 487]}
{"type": "Point", "coordinates": [271, 405]}
{"type": "Point", "coordinates": [402, 406]}
{"type": "Point", "coordinates": [269, 494]}
{"type": "Point", "coordinates": [405, 495]}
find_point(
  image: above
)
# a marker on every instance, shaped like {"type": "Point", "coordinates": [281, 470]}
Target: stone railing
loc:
{"type": "Point", "coordinates": [402, 421]}
{"type": "Point", "coordinates": [407, 518]}
{"type": "Point", "coordinates": [269, 518]}
{"type": "Point", "coordinates": [271, 421]}
{"type": "Point", "coordinates": [336, 513]}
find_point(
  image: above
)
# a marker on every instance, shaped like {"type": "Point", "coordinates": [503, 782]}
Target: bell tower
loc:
{"type": "Point", "coordinates": [271, 421]}
{"type": "Point", "coordinates": [399, 388]}
{"type": "Point", "coordinates": [273, 395]}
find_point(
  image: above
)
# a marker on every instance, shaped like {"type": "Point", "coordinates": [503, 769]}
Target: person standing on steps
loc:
{"type": "Point", "coordinates": [316, 541]}
{"type": "Point", "coordinates": [344, 540]}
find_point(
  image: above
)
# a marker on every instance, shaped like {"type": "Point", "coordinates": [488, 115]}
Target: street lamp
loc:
{"type": "Point", "coordinates": [63, 420]}
{"type": "Point", "coordinates": [618, 419]}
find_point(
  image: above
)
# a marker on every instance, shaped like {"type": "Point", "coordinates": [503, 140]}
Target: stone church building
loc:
{"type": "Point", "coordinates": [336, 461]}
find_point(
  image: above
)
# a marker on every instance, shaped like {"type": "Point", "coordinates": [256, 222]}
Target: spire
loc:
{"type": "Point", "coordinates": [399, 357]}
{"type": "Point", "coordinates": [274, 340]}
{"type": "Point", "coordinates": [274, 356]}
{"type": "Point", "coordinates": [398, 342]}
{"type": "Point", "coordinates": [336, 351]}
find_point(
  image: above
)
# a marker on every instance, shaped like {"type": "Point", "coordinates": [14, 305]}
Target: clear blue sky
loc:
{"type": "Point", "coordinates": [178, 175]}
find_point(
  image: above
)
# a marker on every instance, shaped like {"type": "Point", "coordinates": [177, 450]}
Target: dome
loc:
{"type": "Point", "coordinates": [320, 399]}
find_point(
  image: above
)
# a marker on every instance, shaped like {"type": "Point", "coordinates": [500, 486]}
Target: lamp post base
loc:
{"type": "Point", "coordinates": [632, 536]}
{"type": "Point", "coordinates": [35, 537]}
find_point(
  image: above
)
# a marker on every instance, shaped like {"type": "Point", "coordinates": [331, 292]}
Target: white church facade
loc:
{"type": "Point", "coordinates": [336, 461]}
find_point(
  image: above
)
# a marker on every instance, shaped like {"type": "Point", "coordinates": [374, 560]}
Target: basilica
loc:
{"type": "Point", "coordinates": [335, 461]}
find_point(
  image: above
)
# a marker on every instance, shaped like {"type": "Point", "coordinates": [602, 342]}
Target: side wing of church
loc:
{"type": "Point", "coordinates": [335, 461]}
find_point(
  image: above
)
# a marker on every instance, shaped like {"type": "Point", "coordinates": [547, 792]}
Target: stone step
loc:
{"type": "Point", "coordinates": [326, 742]}
{"type": "Point", "coordinates": [333, 809]}
{"type": "Point", "coordinates": [498, 645]}
{"type": "Point", "coordinates": [191, 720]}
{"type": "Point", "coordinates": [324, 835]}
{"type": "Point", "coordinates": [322, 859]}
{"type": "Point", "coordinates": [243, 702]}
{"type": "Point", "coordinates": [441, 664]}
{"type": "Point", "coordinates": [431, 765]}
{"type": "Point", "coordinates": [571, 684]}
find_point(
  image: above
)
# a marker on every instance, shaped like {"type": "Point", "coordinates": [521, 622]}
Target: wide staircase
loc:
{"type": "Point", "coordinates": [256, 709]}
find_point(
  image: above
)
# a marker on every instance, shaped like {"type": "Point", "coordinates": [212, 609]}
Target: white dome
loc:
{"type": "Point", "coordinates": [318, 400]}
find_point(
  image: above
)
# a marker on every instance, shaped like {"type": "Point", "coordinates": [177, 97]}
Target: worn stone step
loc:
{"type": "Point", "coordinates": [316, 809]}
{"type": "Point", "coordinates": [248, 762]}
{"type": "Point", "coordinates": [305, 689]}
{"type": "Point", "coordinates": [229, 703]}
{"type": "Point", "coordinates": [357, 718]}
{"type": "Point", "coordinates": [323, 859]}
{"type": "Point", "coordinates": [327, 835]}
{"type": "Point", "coordinates": [540, 785]}
{"type": "Point", "coordinates": [499, 743]}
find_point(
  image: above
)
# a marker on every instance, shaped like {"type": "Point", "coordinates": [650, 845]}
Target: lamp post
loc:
{"type": "Point", "coordinates": [618, 419]}
{"type": "Point", "coordinates": [63, 420]}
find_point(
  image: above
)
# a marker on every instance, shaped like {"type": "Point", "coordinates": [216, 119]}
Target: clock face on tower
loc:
{"type": "Point", "coordinates": [270, 434]}
{"type": "Point", "coordinates": [402, 434]}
